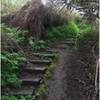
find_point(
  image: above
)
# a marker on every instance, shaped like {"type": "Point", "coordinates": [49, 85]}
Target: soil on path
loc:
{"type": "Point", "coordinates": [57, 86]}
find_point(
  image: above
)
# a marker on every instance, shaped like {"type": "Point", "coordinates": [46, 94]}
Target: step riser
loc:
{"type": "Point", "coordinates": [45, 57]}
{"type": "Point", "coordinates": [67, 43]}
{"type": "Point", "coordinates": [46, 63]}
{"type": "Point", "coordinates": [22, 92]}
{"type": "Point", "coordinates": [35, 71]}
{"type": "Point", "coordinates": [28, 83]}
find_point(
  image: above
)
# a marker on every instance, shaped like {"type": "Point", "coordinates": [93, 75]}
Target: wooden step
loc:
{"type": "Point", "coordinates": [70, 39]}
{"type": "Point", "coordinates": [66, 42]}
{"type": "Point", "coordinates": [40, 61]}
{"type": "Point", "coordinates": [37, 69]}
{"type": "Point", "coordinates": [22, 91]}
{"type": "Point", "coordinates": [35, 65]}
{"type": "Point", "coordinates": [62, 46]}
{"type": "Point", "coordinates": [51, 50]}
{"type": "Point", "coordinates": [30, 81]}
{"type": "Point", "coordinates": [30, 78]}
{"type": "Point", "coordinates": [44, 55]}
{"type": "Point", "coordinates": [48, 50]}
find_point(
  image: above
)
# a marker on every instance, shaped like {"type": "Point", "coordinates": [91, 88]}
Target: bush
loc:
{"type": "Point", "coordinates": [15, 33]}
{"type": "Point", "coordinates": [86, 30]}
{"type": "Point", "coordinates": [41, 91]}
{"type": "Point", "coordinates": [7, 97]}
{"type": "Point", "coordinates": [70, 30]}
{"type": "Point", "coordinates": [36, 44]}
{"type": "Point", "coordinates": [10, 64]}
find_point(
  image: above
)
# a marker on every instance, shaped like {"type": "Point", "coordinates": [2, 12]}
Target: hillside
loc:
{"type": "Point", "coordinates": [46, 56]}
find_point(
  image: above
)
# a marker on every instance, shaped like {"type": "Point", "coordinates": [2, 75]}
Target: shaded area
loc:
{"type": "Point", "coordinates": [63, 85]}
{"type": "Point", "coordinates": [74, 76]}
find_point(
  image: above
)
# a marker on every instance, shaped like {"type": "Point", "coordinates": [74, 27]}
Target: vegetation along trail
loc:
{"type": "Point", "coordinates": [50, 50]}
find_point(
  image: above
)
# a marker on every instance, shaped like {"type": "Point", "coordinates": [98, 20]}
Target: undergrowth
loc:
{"type": "Point", "coordinates": [18, 97]}
{"type": "Point", "coordinates": [15, 33]}
{"type": "Point", "coordinates": [65, 31]}
{"type": "Point", "coordinates": [36, 45]}
{"type": "Point", "coordinates": [10, 65]}
{"type": "Point", "coordinates": [85, 30]}
{"type": "Point", "coordinates": [11, 61]}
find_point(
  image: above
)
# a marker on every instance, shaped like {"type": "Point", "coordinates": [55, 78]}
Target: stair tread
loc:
{"type": "Point", "coordinates": [25, 75]}
{"type": "Point", "coordinates": [40, 61]}
{"type": "Point", "coordinates": [31, 80]}
{"type": "Point", "coordinates": [24, 90]}
{"type": "Point", "coordinates": [34, 65]}
{"type": "Point", "coordinates": [52, 50]}
{"type": "Point", "coordinates": [44, 54]}
{"type": "Point", "coordinates": [61, 46]}
{"type": "Point", "coordinates": [66, 42]}
{"type": "Point", "coordinates": [35, 68]}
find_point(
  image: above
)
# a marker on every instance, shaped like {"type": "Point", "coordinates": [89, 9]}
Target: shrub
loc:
{"type": "Point", "coordinates": [70, 30]}
{"type": "Point", "coordinates": [36, 44]}
{"type": "Point", "coordinates": [86, 30]}
{"type": "Point", "coordinates": [7, 97]}
{"type": "Point", "coordinates": [41, 91]}
{"type": "Point", "coordinates": [13, 32]}
{"type": "Point", "coordinates": [10, 65]}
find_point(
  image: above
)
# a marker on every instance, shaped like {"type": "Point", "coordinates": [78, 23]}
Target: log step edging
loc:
{"type": "Point", "coordinates": [21, 90]}
{"type": "Point", "coordinates": [40, 61]}
{"type": "Point", "coordinates": [44, 54]}
{"type": "Point", "coordinates": [37, 69]}
{"type": "Point", "coordinates": [30, 81]}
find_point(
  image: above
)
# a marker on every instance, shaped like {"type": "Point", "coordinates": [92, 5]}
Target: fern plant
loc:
{"type": "Point", "coordinates": [10, 64]}
{"type": "Point", "coordinates": [69, 30]}
{"type": "Point", "coordinates": [17, 34]}
{"type": "Point", "coordinates": [18, 97]}
{"type": "Point", "coordinates": [36, 44]}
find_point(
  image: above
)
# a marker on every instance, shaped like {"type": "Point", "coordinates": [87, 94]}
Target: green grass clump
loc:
{"type": "Point", "coordinates": [15, 33]}
{"type": "Point", "coordinates": [41, 91]}
{"type": "Point", "coordinates": [10, 64]}
{"type": "Point", "coordinates": [36, 44]}
{"type": "Point", "coordinates": [69, 30]}
{"type": "Point", "coordinates": [86, 30]}
{"type": "Point", "coordinates": [7, 97]}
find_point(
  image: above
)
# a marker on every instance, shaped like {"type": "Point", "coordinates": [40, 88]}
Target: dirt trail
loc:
{"type": "Point", "coordinates": [58, 84]}
{"type": "Point", "coordinates": [65, 84]}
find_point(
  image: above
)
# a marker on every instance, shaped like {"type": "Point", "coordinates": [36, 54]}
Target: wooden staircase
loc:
{"type": "Point", "coordinates": [32, 71]}
{"type": "Point", "coordinates": [31, 74]}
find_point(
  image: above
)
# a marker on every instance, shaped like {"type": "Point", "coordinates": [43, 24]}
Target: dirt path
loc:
{"type": "Point", "coordinates": [67, 81]}
{"type": "Point", "coordinates": [57, 85]}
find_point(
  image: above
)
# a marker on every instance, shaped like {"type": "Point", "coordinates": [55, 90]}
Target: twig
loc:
{"type": "Point", "coordinates": [96, 77]}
